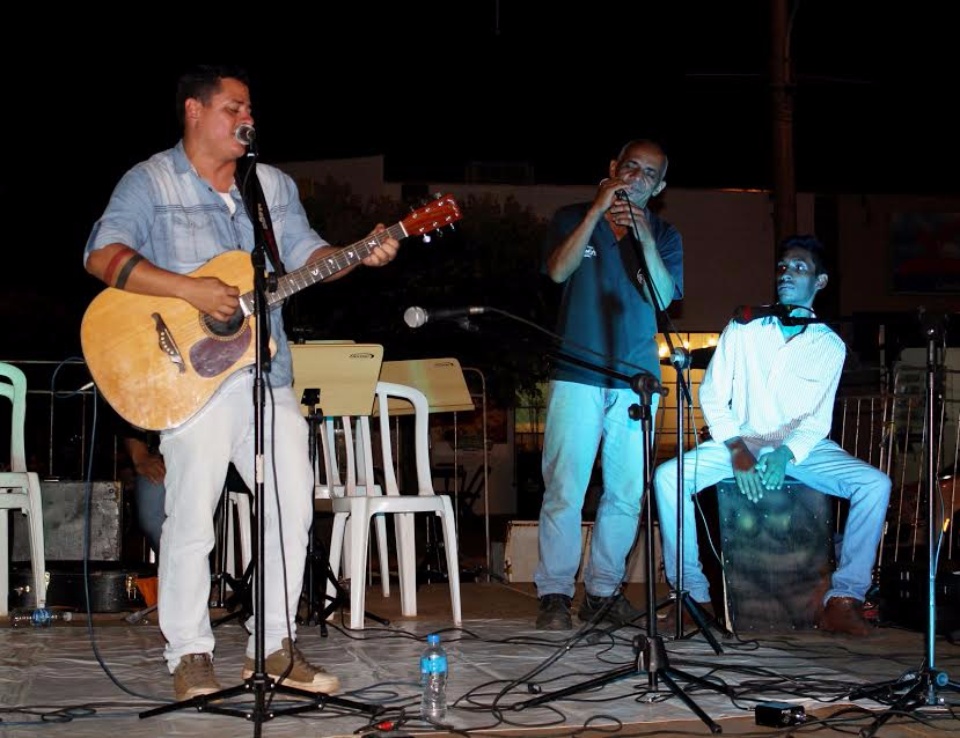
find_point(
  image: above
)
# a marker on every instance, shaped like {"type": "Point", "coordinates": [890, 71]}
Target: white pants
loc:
{"type": "Point", "coordinates": [197, 455]}
{"type": "Point", "coordinates": [827, 468]}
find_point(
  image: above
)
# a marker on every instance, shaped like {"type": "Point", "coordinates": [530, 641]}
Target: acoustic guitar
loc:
{"type": "Point", "coordinates": [158, 360]}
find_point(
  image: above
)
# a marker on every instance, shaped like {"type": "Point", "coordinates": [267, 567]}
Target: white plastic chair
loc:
{"type": "Point", "coordinates": [361, 508]}
{"type": "Point", "coordinates": [20, 490]}
{"type": "Point", "coordinates": [239, 514]}
{"type": "Point", "coordinates": [358, 468]}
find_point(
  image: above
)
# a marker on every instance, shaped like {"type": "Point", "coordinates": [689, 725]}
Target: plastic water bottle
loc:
{"type": "Point", "coordinates": [39, 618]}
{"type": "Point", "coordinates": [433, 679]}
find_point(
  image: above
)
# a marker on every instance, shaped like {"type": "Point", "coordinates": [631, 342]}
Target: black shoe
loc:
{"type": "Point", "coordinates": [554, 613]}
{"type": "Point", "coordinates": [616, 610]}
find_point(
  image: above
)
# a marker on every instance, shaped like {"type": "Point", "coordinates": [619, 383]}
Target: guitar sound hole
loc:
{"type": "Point", "coordinates": [224, 328]}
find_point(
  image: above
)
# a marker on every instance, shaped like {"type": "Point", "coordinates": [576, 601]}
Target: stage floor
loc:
{"type": "Point", "coordinates": [91, 678]}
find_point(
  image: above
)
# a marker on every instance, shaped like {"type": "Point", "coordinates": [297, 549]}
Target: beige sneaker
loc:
{"type": "Point", "coordinates": [302, 675]}
{"type": "Point", "coordinates": [194, 676]}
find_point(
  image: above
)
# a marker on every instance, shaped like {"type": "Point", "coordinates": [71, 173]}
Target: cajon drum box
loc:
{"type": "Point", "coordinates": [777, 555]}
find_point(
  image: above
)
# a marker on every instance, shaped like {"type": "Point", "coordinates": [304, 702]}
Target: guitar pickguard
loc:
{"type": "Point", "coordinates": [212, 356]}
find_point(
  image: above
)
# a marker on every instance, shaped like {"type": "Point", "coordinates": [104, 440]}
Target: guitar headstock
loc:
{"type": "Point", "coordinates": [440, 212]}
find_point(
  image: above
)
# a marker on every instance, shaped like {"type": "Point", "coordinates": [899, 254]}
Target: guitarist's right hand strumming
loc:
{"type": "Point", "coordinates": [211, 296]}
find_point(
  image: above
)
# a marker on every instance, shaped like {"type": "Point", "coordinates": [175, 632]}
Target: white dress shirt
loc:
{"type": "Point", "coordinates": [771, 391]}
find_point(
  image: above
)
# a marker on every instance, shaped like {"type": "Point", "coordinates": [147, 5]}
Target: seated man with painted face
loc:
{"type": "Point", "coordinates": [767, 396]}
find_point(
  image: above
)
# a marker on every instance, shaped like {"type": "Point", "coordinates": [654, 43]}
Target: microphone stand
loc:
{"type": "Point", "coordinates": [920, 689]}
{"type": "Point", "coordinates": [260, 684]}
{"type": "Point", "coordinates": [680, 361]}
{"type": "Point", "coordinates": [650, 650]}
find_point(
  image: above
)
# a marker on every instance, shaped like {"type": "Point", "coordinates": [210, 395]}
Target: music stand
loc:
{"type": "Point", "coordinates": [342, 376]}
{"type": "Point", "coordinates": [442, 382]}
{"type": "Point", "coordinates": [345, 373]}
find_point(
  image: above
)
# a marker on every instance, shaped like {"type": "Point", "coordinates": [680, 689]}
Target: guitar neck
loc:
{"type": "Point", "coordinates": [316, 271]}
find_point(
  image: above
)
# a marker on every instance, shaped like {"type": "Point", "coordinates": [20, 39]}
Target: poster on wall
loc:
{"type": "Point", "coordinates": [925, 253]}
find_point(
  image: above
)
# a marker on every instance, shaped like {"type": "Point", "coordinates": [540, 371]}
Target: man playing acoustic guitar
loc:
{"type": "Point", "coordinates": [167, 217]}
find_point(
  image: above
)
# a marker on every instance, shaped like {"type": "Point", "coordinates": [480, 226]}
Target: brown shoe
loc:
{"type": "Point", "coordinates": [302, 674]}
{"type": "Point", "coordinates": [194, 676]}
{"type": "Point", "coordinates": [845, 615]}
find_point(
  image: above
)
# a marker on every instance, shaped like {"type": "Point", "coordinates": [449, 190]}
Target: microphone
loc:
{"type": "Point", "coordinates": [245, 134]}
{"type": "Point", "coordinates": [744, 314]}
{"type": "Point", "coordinates": [417, 316]}
{"type": "Point", "coordinates": [644, 382]}
{"type": "Point", "coordinates": [620, 194]}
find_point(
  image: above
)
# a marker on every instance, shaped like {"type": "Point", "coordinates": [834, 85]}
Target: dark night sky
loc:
{"type": "Point", "coordinates": [436, 85]}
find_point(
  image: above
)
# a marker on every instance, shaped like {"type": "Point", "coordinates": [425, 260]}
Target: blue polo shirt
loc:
{"type": "Point", "coordinates": [604, 318]}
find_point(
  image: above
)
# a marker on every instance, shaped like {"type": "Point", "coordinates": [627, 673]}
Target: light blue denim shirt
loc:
{"type": "Point", "coordinates": [163, 209]}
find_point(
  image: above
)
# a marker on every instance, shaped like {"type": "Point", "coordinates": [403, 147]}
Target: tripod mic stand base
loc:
{"type": "Point", "coordinates": [702, 619]}
{"type": "Point", "coordinates": [260, 686]}
{"type": "Point", "coordinates": [651, 660]}
{"type": "Point", "coordinates": [912, 692]}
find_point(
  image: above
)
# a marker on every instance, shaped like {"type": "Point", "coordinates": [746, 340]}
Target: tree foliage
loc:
{"type": "Point", "coordinates": [490, 258]}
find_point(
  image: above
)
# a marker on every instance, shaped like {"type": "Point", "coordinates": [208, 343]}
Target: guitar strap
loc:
{"type": "Point", "coordinates": [253, 199]}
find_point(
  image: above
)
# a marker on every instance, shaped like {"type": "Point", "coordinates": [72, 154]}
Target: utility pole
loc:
{"type": "Point", "coordinates": [782, 84]}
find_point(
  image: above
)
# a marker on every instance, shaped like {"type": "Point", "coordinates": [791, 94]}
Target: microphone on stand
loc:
{"type": "Point", "coordinates": [744, 314]}
{"type": "Point", "coordinates": [245, 134]}
{"type": "Point", "coordinates": [417, 316]}
{"type": "Point", "coordinates": [644, 382]}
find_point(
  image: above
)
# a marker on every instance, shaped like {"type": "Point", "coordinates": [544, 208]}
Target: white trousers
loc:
{"type": "Point", "coordinates": [197, 455]}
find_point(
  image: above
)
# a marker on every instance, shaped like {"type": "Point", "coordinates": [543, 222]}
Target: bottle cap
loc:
{"type": "Point", "coordinates": [433, 639]}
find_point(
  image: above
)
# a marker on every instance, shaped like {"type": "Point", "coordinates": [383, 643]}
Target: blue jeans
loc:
{"type": "Point", "coordinates": [580, 420]}
{"type": "Point", "coordinates": [150, 497]}
{"type": "Point", "coordinates": [828, 469]}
